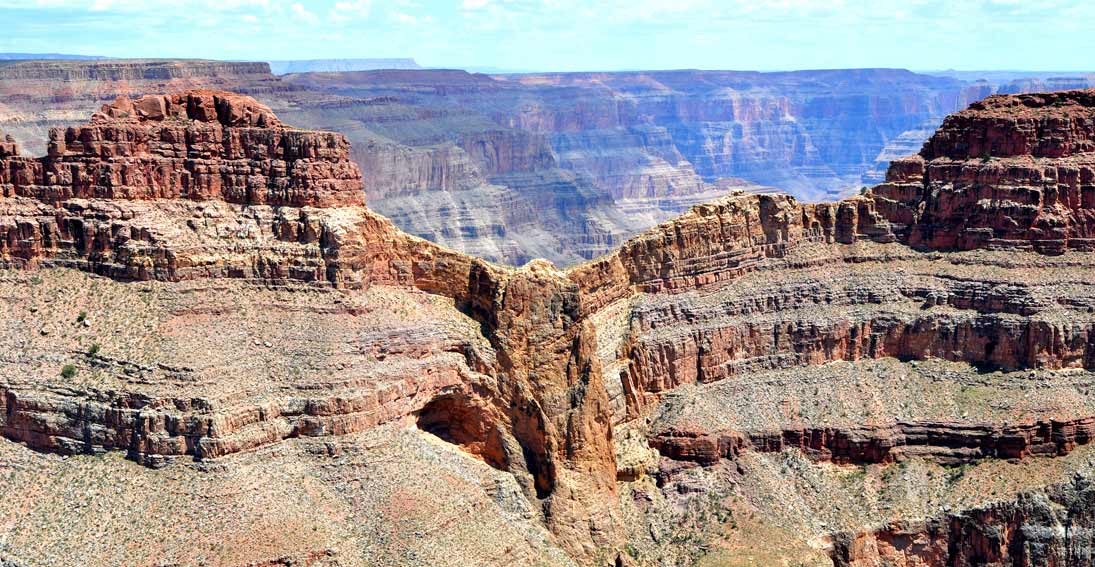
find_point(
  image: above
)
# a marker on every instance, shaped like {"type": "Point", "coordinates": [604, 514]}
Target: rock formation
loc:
{"type": "Point", "coordinates": [211, 185]}
{"type": "Point", "coordinates": [560, 166]}
{"type": "Point", "coordinates": [901, 377]}
{"type": "Point", "coordinates": [1011, 171]}
{"type": "Point", "coordinates": [635, 148]}
{"type": "Point", "coordinates": [757, 324]}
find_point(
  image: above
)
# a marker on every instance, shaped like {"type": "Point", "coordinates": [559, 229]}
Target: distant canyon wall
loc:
{"type": "Point", "coordinates": [559, 166]}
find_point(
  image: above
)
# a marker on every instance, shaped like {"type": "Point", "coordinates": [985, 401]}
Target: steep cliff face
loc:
{"type": "Point", "coordinates": [814, 134]}
{"type": "Point", "coordinates": [1011, 171]}
{"type": "Point", "coordinates": [1051, 528]}
{"type": "Point", "coordinates": [848, 379]}
{"type": "Point", "coordinates": [205, 186]}
{"type": "Point", "coordinates": [442, 169]}
{"type": "Point", "coordinates": [757, 325]}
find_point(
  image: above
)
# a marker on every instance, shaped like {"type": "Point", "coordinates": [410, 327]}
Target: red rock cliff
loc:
{"type": "Point", "coordinates": [211, 184]}
{"type": "Point", "coordinates": [1014, 171]}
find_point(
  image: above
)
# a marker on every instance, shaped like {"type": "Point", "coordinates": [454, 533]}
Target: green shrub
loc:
{"type": "Point", "coordinates": [68, 371]}
{"type": "Point", "coordinates": [81, 317]}
{"type": "Point", "coordinates": [94, 349]}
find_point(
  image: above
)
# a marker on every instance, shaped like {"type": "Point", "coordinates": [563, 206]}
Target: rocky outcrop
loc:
{"type": "Point", "coordinates": [209, 184]}
{"type": "Point", "coordinates": [1009, 172]}
{"type": "Point", "coordinates": [199, 146]}
{"type": "Point", "coordinates": [718, 242]}
{"type": "Point", "coordinates": [155, 431]}
{"type": "Point", "coordinates": [1043, 125]}
{"type": "Point", "coordinates": [947, 443]}
{"type": "Point", "coordinates": [1038, 528]}
{"type": "Point", "coordinates": [8, 148]}
{"type": "Point", "coordinates": [92, 201]}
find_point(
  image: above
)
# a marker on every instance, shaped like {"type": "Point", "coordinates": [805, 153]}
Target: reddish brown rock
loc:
{"type": "Point", "coordinates": [1050, 528]}
{"type": "Point", "coordinates": [198, 146]}
{"type": "Point", "coordinates": [528, 365]}
{"type": "Point", "coordinates": [946, 443]}
{"type": "Point", "coordinates": [211, 185]}
{"type": "Point", "coordinates": [8, 147]}
{"type": "Point", "coordinates": [1041, 125]}
{"type": "Point", "coordinates": [1009, 172]}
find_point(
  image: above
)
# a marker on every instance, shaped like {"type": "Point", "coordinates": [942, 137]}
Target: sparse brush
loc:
{"type": "Point", "coordinates": [68, 371]}
{"type": "Point", "coordinates": [81, 317]}
{"type": "Point", "coordinates": [93, 349]}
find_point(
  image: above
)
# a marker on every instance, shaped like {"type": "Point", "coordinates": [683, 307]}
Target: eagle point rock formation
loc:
{"type": "Point", "coordinates": [899, 378]}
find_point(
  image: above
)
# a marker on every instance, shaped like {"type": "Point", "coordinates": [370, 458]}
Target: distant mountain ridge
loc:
{"type": "Point", "coordinates": [340, 65]}
{"type": "Point", "coordinates": [18, 56]}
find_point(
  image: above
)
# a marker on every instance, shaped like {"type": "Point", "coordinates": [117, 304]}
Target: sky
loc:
{"type": "Point", "coordinates": [574, 35]}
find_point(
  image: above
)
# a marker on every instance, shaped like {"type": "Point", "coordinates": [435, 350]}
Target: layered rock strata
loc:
{"type": "Point", "coordinates": [756, 324]}
{"type": "Point", "coordinates": [1010, 171]}
{"type": "Point", "coordinates": [1044, 528]}
{"type": "Point", "coordinates": [727, 344]}
{"type": "Point", "coordinates": [209, 185]}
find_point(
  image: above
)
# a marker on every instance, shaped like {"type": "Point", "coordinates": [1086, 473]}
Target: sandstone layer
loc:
{"type": "Point", "coordinates": [210, 186]}
{"type": "Point", "coordinates": [936, 320]}
{"type": "Point", "coordinates": [560, 166]}
{"type": "Point", "coordinates": [902, 377]}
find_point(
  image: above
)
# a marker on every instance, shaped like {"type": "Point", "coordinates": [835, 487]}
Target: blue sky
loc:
{"type": "Point", "coordinates": [568, 35]}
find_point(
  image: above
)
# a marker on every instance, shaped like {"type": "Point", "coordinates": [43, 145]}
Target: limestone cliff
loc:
{"type": "Point", "coordinates": [1011, 171]}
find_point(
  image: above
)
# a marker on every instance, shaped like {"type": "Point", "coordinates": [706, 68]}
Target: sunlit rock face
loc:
{"type": "Point", "coordinates": [208, 333]}
{"type": "Point", "coordinates": [560, 166]}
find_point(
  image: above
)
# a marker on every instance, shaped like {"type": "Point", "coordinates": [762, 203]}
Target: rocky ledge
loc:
{"type": "Point", "coordinates": [757, 354]}
{"type": "Point", "coordinates": [205, 194]}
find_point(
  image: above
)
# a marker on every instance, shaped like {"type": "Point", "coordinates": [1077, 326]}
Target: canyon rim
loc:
{"type": "Point", "coordinates": [313, 302]}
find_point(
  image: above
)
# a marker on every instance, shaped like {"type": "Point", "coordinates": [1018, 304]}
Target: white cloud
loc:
{"type": "Point", "coordinates": [299, 11]}
{"type": "Point", "coordinates": [345, 11]}
{"type": "Point", "coordinates": [474, 4]}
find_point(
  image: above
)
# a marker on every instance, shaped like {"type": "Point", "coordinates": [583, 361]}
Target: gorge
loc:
{"type": "Point", "coordinates": [208, 330]}
{"type": "Point", "coordinates": [562, 166]}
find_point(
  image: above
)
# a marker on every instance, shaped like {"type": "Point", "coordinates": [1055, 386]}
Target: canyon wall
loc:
{"type": "Point", "coordinates": [248, 303]}
{"type": "Point", "coordinates": [1054, 528]}
{"type": "Point", "coordinates": [814, 134]}
{"type": "Point", "coordinates": [559, 166]}
{"type": "Point", "coordinates": [908, 323]}
{"type": "Point", "coordinates": [208, 185]}
{"type": "Point", "coordinates": [624, 151]}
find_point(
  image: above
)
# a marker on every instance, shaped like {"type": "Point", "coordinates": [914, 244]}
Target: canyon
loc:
{"type": "Point", "coordinates": [562, 166]}
{"type": "Point", "coordinates": [210, 333]}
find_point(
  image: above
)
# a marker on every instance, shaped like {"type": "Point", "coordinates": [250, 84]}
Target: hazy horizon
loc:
{"type": "Point", "coordinates": [487, 69]}
{"type": "Point", "coordinates": [567, 35]}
